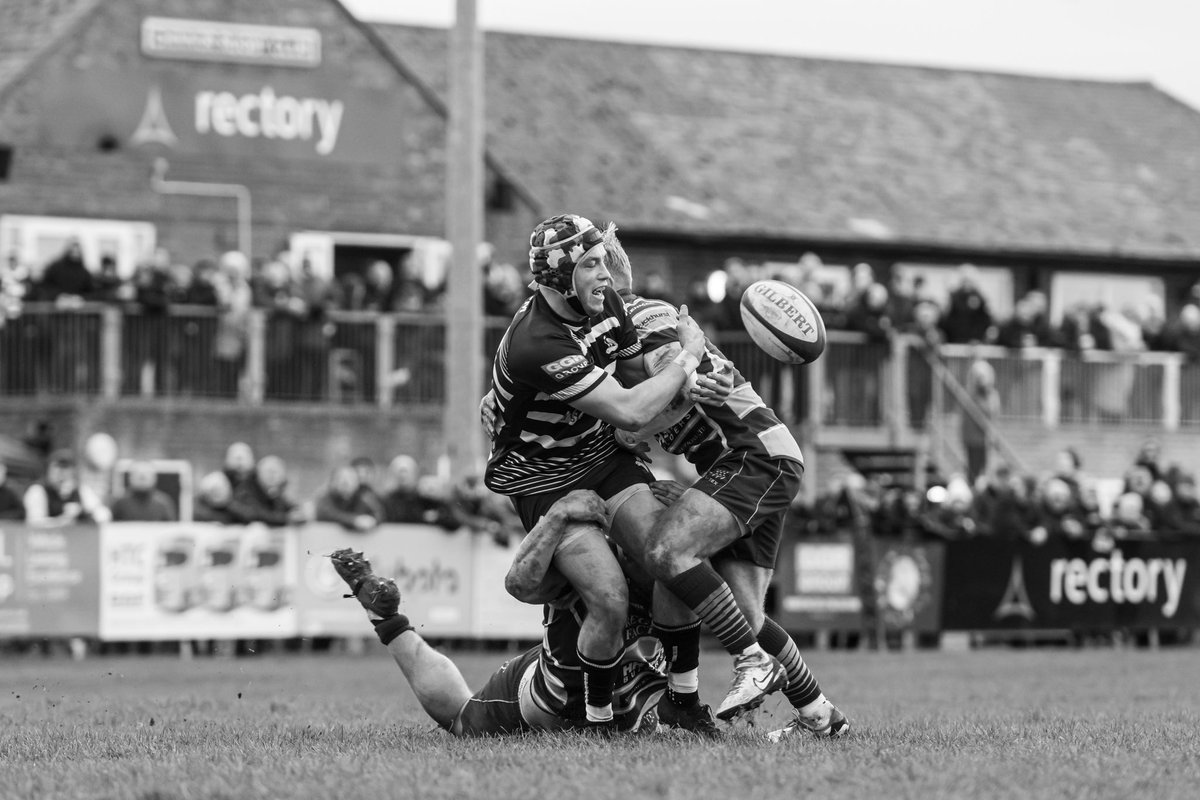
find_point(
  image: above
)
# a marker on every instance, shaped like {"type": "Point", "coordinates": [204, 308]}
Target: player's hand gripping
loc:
{"type": "Point", "coordinates": [713, 388]}
{"type": "Point", "coordinates": [487, 413]}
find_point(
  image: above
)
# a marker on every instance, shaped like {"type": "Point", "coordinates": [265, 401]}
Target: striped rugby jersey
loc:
{"type": "Point", "coordinates": [543, 363]}
{"type": "Point", "coordinates": [744, 422]}
{"type": "Point", "coordinates": [558, 682]}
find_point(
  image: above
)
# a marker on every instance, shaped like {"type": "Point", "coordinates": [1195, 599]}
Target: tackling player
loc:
{"type": "Point", "coordinates": [750, 469]}
{"type": "Point", "coordinates": [543, 688]}
{"type": "Point", "coordinates": [555, 410]}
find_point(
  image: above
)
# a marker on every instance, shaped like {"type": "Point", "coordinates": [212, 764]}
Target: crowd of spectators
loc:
{"type": "Point", "coordinates": [249, 489]}
{"type": "Point", "coordinates": [1151, 500]}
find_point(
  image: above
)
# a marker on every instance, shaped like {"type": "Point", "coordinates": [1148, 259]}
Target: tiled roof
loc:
{"type": "Point", "coordinates": [674, 139]}
{"type": "Point", "coordinates": [29, 28]}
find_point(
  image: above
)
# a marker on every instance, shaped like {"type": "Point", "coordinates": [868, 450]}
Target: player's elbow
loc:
{"type": "Point", "coordinates": [517, 587]}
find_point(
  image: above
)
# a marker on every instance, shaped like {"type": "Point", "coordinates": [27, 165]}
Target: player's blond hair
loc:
{"type": "Point", "coordinates": [618, 260]}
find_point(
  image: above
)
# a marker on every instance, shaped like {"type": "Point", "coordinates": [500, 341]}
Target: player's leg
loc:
{"type": "Point", "coordinates": [695, 527]}
{"type": "Point", "coordinates": [585, 559]}
{"type": "Point", "coordinates": [435, 680]}
{"type": "Point", "coordinates": [749, 582]}
{"type": "Point", "coordinates": [674, 624]}
{"type": "Point", "coordinates": [582, 561]}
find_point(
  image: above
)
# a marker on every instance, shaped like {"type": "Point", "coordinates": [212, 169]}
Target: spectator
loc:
{"type": "Point", "coordinates": [342, 503]}
{"type": "Point", "coordinates": [66, 279]}
{"type": "Point", "coordinates": [239, 464]}
{"type": "Point", "coordinates": [263, 498]}
{"type": "Point", "coordinates": [213, 499]}
{"type": "Point", "coordinates": [364, 468]}
{"type": "Point", "coordinates": [1057, 517]}
{"type": "Point", "coordinates": [286, 311]}
{"type": "Point", "coordinates": [143, 501]}
{"type": "Point", "coordinates": [951, 519]}
{"type": "Point", "coordinates": [1162, 512]}
{"type": "Point", "coordinates": [403, 502]}
{"type": "Point", "coordinates": [313, 332]}
{"type": "Point", "coordinates": [1025, 328]}
{"type": "Point", "coordinates": [927, 331]}
{"type": "Point", "coordinates": [436, 495]}
{"type": "Point", "coordinates": [108, 286]}
{"type": "Point", "coordinates": [1002, 506]}
{"type": "Point", "coordinates": [1068, 468]}
{"type": "Point", "coordinates": [484, 512]}
{"type": "Point", "coordinates": [380, 291]}
{"type": "Point", "coordinates": [11, 505]}
{"type": "Point", "coordinates": [903, 517]}
{"type": "Point", "coordinates": [1188, 504]}
{"type": "Point", "coordinates": [59, 498]}
{"type": "Point", "coordinates": [1139, 480]}
{"type": "Point", "coordinates": [976, 430]}
{"type": "Point", "coordinates": [1150, 457]}
{"type": "Point", "coordinates": [967, 317]}
{"type": "Point", "coordinates": [234, 301]}
{"type": "Point", "coordinates": [1128, 518]}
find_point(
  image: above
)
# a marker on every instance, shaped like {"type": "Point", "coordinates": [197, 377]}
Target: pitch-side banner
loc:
{"type": "Point", "coordinates": [195, 581]}
{"type": "Point", "coordinates": [49, 578]}
{"type": "Point", "coordinates": [451, 583]}
{"type": "Point", "coordinates": [1069, 585]}
{"type": "Point", "coordinates": [817, 586]}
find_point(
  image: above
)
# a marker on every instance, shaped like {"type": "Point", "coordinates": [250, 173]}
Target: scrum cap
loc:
{"type": "Point", "coordinates": [557, 246]}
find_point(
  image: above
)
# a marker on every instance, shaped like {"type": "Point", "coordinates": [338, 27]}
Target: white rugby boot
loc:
{"type": "Point", "coordinates": [755, 676]}
{"type": "Point", "coordinates": [825, 721]}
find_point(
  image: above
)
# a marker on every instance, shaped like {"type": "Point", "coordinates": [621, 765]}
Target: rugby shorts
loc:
{"type": "Point", "coordinates": [758, 492]}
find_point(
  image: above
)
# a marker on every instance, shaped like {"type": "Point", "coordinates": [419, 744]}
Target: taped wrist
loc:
{"type": "Point", "coordinates": [687, 361]}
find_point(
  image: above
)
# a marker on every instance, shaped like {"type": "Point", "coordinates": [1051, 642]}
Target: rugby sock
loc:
{"type": "Point", "coordinates": [702, 590]}
{"type": "Point", "coordinates": [681, 647]}
{"type": "Point", "coordinates": [389, 628]}
{"type": "Point", "coordinates": [599, 678]}
{"type": "Point", "coordinates": [802, 689]}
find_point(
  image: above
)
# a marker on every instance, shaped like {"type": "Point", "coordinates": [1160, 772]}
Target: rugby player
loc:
{"type": "Point", "coordinates": [555, 411]}
{"type": "Point", "coordinates": [750, 468]}
{"type": "Point", "coordinates": [554, 420]}
{"type": "Point", "coordinates": [543, 688]}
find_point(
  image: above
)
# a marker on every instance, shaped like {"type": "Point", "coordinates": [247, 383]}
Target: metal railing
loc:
{"type": "Point", "coordinates": [384, 360]}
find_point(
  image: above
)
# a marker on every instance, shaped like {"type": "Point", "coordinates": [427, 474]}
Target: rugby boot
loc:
{"type": "Point", "coordinates": [696, 719]}
{"type": "Point", "coordinates": [825, 722]}
{"type": "Point", "coordinates": [755, 676]}
{"type": "Point", "coordinates": [379, 596]}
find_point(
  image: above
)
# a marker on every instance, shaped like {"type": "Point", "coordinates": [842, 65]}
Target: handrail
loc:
{"type": "Point", "coordinates": [971, 407]}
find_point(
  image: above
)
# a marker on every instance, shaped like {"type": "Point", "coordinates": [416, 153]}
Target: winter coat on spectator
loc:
{"type": "Point", "coordinates": [1082, 330]}
{"type": "Point", "coordinates": [868, 314]}
{"type": "Point", "coordinates": [11, 505]}
{"type": "Point", "coordinates": [967, 318]}
{"type": "Point", "coordinates": [206, 511]}
{"type": "Point", "coordinates": [404, 504]}
{"type": "Point", "coordinates": [252, 503]}
{"type": "Point", "coordinates": [345, 511]}
{"type": "Point", "coordinates": [152, 506]}
{"type": "Point", "coordinates": [66, 275]}
{"type": "Point", "coordinates": [1002, 512]}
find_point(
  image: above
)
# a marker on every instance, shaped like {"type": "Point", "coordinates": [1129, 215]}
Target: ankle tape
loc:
{"type": "Point", "coordinates": [390, 628]}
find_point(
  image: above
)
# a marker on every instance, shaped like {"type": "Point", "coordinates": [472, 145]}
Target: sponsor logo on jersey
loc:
{"type": "Point", "coordinates": [610, 346]}
{"type": "Point", "coordinates": [566, 367]}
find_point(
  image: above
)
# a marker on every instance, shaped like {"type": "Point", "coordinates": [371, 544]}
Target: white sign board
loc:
{"type": "Point", "coordinates": [202, 40]}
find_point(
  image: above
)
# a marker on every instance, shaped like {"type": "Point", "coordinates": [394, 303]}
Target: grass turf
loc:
{"type": "Point", "coordinates": [1033, 723]}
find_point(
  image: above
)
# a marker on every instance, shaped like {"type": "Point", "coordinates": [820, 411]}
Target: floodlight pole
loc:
{"type": "Point", "coordinates": [464, 363]}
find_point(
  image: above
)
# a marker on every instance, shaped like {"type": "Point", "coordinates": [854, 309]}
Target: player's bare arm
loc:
{"type": "Point", "coordinates": [525, 577]}
{"type": "Point", "coordinates": [632, 408]}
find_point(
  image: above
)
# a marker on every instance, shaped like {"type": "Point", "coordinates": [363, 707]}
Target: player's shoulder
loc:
{"type": "Point", "coordinates": [537, 339]}
{"type": "Point", "coordinates": [647, 312]}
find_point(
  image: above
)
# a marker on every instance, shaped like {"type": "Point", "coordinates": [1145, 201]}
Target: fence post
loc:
{"type": "Point", "coordinates": [1170, 393]}
{"type": "Point", "coordinates": [1051, 388]}
{"type": "Point", "coordinates": [385, 359]}
{"type": "Point", "coordinates": [111, 329]}
{"type": "Point", "coordinates": [814, 375]}
{"type": "Point", "coordinates": [256, 358]}
{"type": "Point", "coordinates": [896, 398]}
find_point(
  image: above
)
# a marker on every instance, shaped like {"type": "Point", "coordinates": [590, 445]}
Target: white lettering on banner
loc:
{"type": "Point", "coordinates": [270, 116]}
{"type": "Point", "coordinates": [1119, 580]}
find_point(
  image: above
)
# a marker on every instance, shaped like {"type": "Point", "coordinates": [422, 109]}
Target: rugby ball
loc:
{"type": "Point", "coordinates": [783, 322]}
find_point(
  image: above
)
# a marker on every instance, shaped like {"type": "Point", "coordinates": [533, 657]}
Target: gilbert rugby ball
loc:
{"type": "Point", "coordinates": [783, 322]}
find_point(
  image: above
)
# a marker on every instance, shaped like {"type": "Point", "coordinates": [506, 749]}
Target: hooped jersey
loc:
{"type": "Point", "coordinates": [545, 362]}
{"type": "Point", "coordinates": [743, 422]}
{"type": "Point", "coordinates": [558, 682]}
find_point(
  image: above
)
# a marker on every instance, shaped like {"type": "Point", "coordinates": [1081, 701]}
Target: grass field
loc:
{"type": "Point", "coordinates": [1031, 723]}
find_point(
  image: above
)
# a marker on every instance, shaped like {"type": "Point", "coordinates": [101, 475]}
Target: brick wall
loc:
{"type": "Point", "coordinates": [289, 191]}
